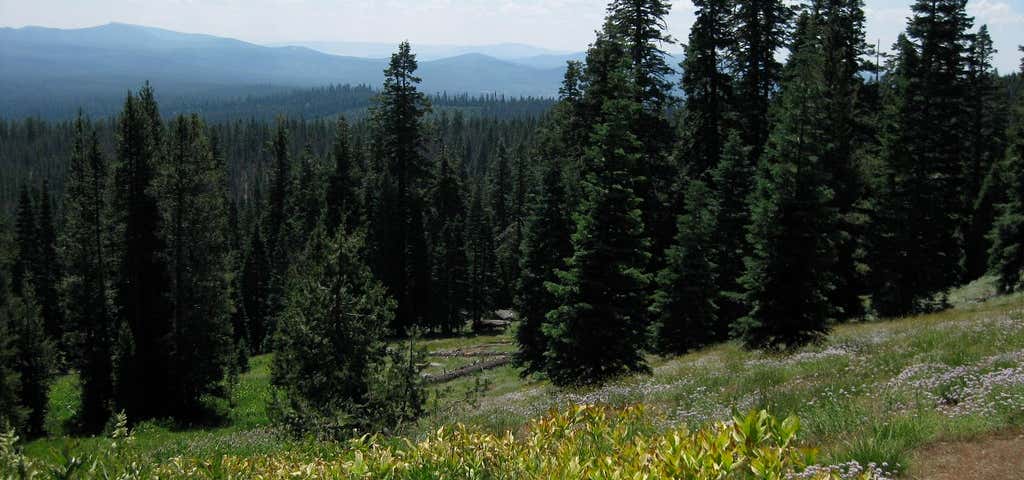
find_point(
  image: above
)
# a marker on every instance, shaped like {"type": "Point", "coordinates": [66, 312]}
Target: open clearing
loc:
{"type": "Point", "coordinates": [932, 396]}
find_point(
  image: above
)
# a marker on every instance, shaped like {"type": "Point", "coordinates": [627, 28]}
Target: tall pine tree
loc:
{"type": "Point", "coordinates": [1006, 257]}
{"type": "Point", "coordinates": [841, 27]}
{"type": "Point", "coordinates": [342, 204]}
{"type": "Point", "coordinates": [789, 276]}
{"type": "Point", "coordinates": [26, 237]}
{"type": "Point", "coordinates": [685, 305]}
{"type": "Point", "coordinates": [761, 30]}
{"type": "Point", "coordinates": [86, 259]}
{"type": "Point", "coordinates": [483, 281]}
{"type": "Point", "coordinates": [144, 388]}
{"type": "Point", "coordinates": [986, 145]}
{"type": "Point", "coordinates": [401, 236]}
{"type": "Point", "coordinates": [546, 246]}
{"type": "Point", "coordinates": [194, 213]}
{"type": "Point", "coordinates": [449, 248]}
{"type": "Point", "coordinates": [32, 361]}
{"type": "Point", "coordinates": [47, 273]}
{"type": "Point", "coordinates": [707, 85]}
{"type": "Point", "coordinates": [920, 247]}
{"type": "Point", "coordinates": [599, 329]}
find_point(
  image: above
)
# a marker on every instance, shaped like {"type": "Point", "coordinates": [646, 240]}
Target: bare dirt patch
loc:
{"type": "Point", "coordinates": [997, 457]}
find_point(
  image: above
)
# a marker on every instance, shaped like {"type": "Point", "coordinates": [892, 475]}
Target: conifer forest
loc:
{"type": "Point", "coordinates": [759, 258]}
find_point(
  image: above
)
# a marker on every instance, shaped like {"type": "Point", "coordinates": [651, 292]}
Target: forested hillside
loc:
{"type": "Point", "coordinates": [154, 255]}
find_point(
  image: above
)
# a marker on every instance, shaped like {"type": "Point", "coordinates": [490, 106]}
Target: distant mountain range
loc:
{"type": "Point", "coordinates": [43, 68]}
{"type": "Point", "coordinates": [426, 52]}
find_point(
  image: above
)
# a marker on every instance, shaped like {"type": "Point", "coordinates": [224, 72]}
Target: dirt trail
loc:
{"type": "Point", "coordinates": [997, 457]}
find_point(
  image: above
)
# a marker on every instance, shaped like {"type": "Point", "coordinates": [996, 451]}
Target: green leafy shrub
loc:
{"type": "Point", "coordinates": [590, 442]}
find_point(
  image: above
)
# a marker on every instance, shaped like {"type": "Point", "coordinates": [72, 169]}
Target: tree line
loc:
{"type": "Point", "coordinates": [757, 200]}
{"type": "Point", "coordinates": [785, 197]}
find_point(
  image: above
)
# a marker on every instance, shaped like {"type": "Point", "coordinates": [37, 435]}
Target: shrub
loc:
{"type": "Point", "coordinates": [590, 442]}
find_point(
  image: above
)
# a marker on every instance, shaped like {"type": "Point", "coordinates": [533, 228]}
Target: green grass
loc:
{"type": "Point", "coordinates": [845, 390]}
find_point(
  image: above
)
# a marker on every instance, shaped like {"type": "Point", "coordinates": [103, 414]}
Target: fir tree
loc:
{"type": "Point", "coordinates": [920, 248]}
{"type": "Point", "coordinates": [707, 86]}
{"type": "Point", "coordinates": [12, 413]}
{"type": "Point", "coordinates": [546, 245]}
{"type": "Point", "coordinates": [986, 144]}
{"type": "Point", "coordinates": [85, 256]}
{"type": "Point", "coordinates": [789, 273]}
{"type": "Point", "coordinates": [449, 249]}
{"type": "Point", "coordinates": [255, 283]}
{"type": "Point", "coordinates": [47, 271]}
{"type": "Point", "coordinates": [143, 386]}
{"type": "Point", "coordinates": [306, 205]}
{"type": "Point", "coordinates": [335, 313]}
{"type": "Point", "coordinates": [685, 306]}
{"type": "Point", "coordinates": [33, 359]}
{"type": "Point", "coordinates": [275, 227]}
{"type": "Point", "coordinates": [599, 329]}
{"type": "Point", "coordinates": [502, 198]}
{"type": "Point", "coordinates": [1006, 257]}
{"type": "Point", "coordinates": [761, 30]}
{"type": "Point", "coordinates": [841, 33]}
{"type": "Point", "coordinates": [26, 237]}
{"type": "Point", "coordinates": [500, 191]}
{"type": "Point", "coordinates": [194, 214]}
{"type": "Point", "coordinates": [401, 240]}
{"type": "Point", "coordinates": [639, 28]}
{"type": "Point", "coordinates": [731, 186]}
{"type": "Point", "coordinates": [480, 250]}
{"type": "Point", "coordinates": [343, 206]}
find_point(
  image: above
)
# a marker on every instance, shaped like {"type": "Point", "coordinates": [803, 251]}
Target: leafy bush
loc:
{"type": "Point", "coordinates": [580, 442]}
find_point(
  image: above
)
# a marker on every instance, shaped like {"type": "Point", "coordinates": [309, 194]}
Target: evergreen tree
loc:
{"type": "Point", "coordinates": [86, 259]}
{"type": "Point", "coordinates": [731, 186]}
{"type": "Point", "coordinates": [500, 191]}
{"type": "Point", "coordinates": [761, 30]}
{"type": "Point", "coordinates": [194, 213]}
{"type": "Point", "coordinates": [1006, 257]}
{"type": "Point", "coordinates": [26, 236]}
{"type": "Point", "coordinates": [480, 250]}
{"type": "Point", "coordinates": [255, 283]}
{"type": "Point", "coordinates": [639, 28]}
{"type": "Point", "coordinates": [449, 249]}
{"type": "Point", "coordinates": [143, 386]}
{"type": "Point", "coordinates": [47, 271]}
{"type": "Point", "coordinates": [841, 33]}
{"type": "Point", "coordinates": [401, 240]}
{"type": "Point", "coordinates": [306, 206]}
{"type": "Point", "coordinates": [920, 248]}
{"type": "Point", "coordinates": [502, 197]}
{"type": "Point", "coordinates": [707, 86]}
{"type": "Point", "coordinates": [335, 314]}
{"type": "Point", "coordinates": [546, 245]}
{"type": "Point", "coordinates": [986, 144]}
{"type": "Point", "coordinates": [685, 306]}
{"type": "Point", "coordinates": [12, 413]}
{"type": "Point", "coordinates": [33, 359]}
{"type": "Point", "coordinates": [599, 329]}
{"type": "Point", "coordinates": [342, 203]}
{"type": "Point", "coordinates": [789, 276]}
{"type": "Point", "coordinates": [275, 228]}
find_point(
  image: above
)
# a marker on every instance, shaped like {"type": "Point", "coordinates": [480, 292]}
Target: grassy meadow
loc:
{"type": "Point", "coordinates": [874, 393]}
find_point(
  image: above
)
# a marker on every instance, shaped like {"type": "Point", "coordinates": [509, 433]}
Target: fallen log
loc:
{"type": "Point", "coordinates": [468, 369]}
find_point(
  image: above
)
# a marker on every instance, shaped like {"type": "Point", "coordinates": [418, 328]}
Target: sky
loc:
{"type": "Point", "coordinates": [561, 25]}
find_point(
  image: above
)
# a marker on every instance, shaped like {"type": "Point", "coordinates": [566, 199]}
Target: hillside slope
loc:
{"type": "Point", "coordinates": [874, 392]}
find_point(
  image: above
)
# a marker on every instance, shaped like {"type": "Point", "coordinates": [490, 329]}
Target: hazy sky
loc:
{"type": "Point", "coordinates": [557, 24]}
